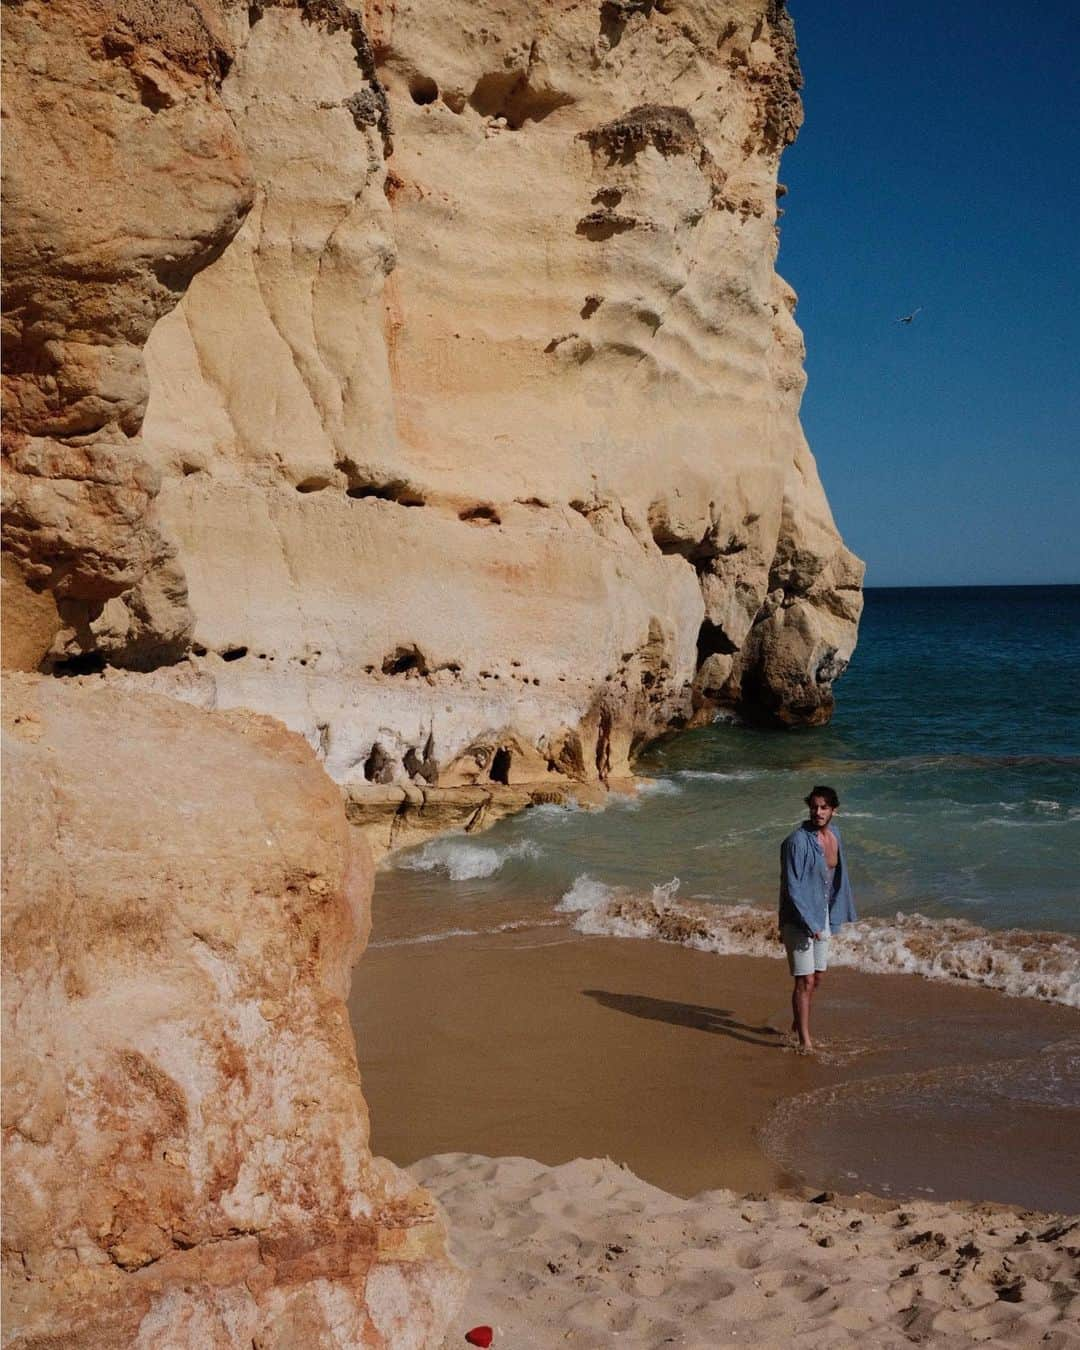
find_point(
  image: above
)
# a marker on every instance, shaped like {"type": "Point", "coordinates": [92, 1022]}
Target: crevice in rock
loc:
{"type": "Point", "coordinates": [603, 744]}
{"type": "Point", "coordinates": [591, 305]}
{"type": "Point", "coordinates": [233, 653]}
{"type": "Point", "coordinates": [337, 16]}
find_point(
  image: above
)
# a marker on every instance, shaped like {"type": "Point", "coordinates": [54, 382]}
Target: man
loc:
{"type": "Point", "coordinates": [815, 899]}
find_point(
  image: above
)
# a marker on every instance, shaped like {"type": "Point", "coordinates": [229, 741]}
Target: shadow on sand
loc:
{"type": "Point", "coordinates": [721, 1021]}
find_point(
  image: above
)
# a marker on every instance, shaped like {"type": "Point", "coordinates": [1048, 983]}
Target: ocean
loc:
{"type": "Point", "coordinates": [955, 749]}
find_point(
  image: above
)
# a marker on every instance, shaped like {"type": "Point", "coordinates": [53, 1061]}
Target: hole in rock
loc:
{"type": "Point", "coordinates": [713, 641]}
{"type": "Point", "coordinates": [396, 490]}
{"type": "Point", "coordinates": [500, 766]}
{"type": "Point", "coordinates": [423, 89]}
{"type": "Point", "coordinates": [233, 653]}
{"type": "Point", "coordinates": [509, 95]}
{"type": "Point", "coordinates": [197, 649]}
{"type": "Point", "coordinates": [81, 663]}
{"type": "Point", "coordinates": [591, 305]}
{"type": "Point", "coordinates": [377, 764]}
{"type": "Point", "coordinates": [600, 225]}
{"type": "Point", "coordinates": [481, 512]}
{"type": "Point", "coordinates": [404, 659]}
{"type": "Point", "coordinates": [315, 484]}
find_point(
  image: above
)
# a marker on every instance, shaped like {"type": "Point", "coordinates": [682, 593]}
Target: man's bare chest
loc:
{"type": "Point", "coordinates": [830, 846]}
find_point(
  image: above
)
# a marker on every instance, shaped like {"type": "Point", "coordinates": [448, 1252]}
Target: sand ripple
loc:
{"type": "Point", "coordinates": [588, 1255]}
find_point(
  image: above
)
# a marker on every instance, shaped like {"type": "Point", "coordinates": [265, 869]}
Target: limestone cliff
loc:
{"type": "Point", "coordinates": [186, 1157]}
{"type": "Point", "coordinates": [478, 446]}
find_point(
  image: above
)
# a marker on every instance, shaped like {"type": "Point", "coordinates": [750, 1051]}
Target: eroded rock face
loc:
{"type": "Point", "coordinates": [123, 176]}
{"type": "Point", "coordinates": [479, 446]}
{"type": "Point", "coordinates": [186, 1156]}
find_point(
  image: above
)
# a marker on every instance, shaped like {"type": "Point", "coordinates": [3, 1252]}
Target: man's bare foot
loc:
{"type": "Point", "coordinates": [805, 1047]}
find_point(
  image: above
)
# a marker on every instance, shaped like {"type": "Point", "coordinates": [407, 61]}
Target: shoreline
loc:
{"type": "Point", "coordinates": [547, 1044]}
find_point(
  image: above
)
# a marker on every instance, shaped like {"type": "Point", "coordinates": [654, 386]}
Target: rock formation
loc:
{"type": "Point", "coordinates": [123, 176]}
{"type": "Point", "coordinates": [186, 1145]}
{"type": "Point", "coordinates": [478, 446]}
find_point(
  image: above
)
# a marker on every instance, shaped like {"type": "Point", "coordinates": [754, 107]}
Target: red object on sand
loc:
{"type": "Point", "coordinates": [480, 1336]}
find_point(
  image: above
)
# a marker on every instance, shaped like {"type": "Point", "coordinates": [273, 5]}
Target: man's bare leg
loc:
{"type": "Point", "coordinates": [801, 998]}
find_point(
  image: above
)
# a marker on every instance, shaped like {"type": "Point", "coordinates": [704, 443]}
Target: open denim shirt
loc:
{"type": "Point", "coordinates": [803, 882]}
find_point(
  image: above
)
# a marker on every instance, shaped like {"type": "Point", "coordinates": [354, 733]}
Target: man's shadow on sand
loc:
{"type": "Point", "coordinates": [720, 1021]}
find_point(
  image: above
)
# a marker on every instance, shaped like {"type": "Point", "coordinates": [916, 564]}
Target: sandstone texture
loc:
{"type": "Point", "coordinates": [186, 1157]}
{"type": "Point", "coordinates": [123, 175]}
{"type": "Point", "coordinates": [475, 455]}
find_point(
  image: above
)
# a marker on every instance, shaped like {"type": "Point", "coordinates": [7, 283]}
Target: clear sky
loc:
{"type": "Point", "coordinates": [939, 166]}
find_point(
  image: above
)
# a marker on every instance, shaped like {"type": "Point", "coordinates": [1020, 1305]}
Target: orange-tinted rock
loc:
{"type": "Point", "coordinates": [186, 1157]}
{"type": "Point", "coordinates": [123, 177]}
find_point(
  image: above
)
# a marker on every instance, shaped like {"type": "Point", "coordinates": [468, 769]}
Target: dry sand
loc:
{"type": "Point", "coordinates": [588, 1255]}
{"type": "Point", "coordinates": [675, 1064]}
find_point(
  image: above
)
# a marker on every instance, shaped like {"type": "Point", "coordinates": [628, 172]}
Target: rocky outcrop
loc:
{"type": "Point", "coordinates": [478, 446]}
{"type": "Point", "coordinates": [186, 1156]}
{"type": "Point", "coordinates": [123, 176]}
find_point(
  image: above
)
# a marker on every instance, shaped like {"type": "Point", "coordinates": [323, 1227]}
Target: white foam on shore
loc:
{"type": "Point", "coordinates": [657, 787]}
{"type": "Point", "coordinates": [1024, 964]}
{"type": "Point", "coordinates": [423, 939]}
{"type": "Point", "coordinates": [465, 861]}
{"type": "Point", "coordinates": [585, 894]}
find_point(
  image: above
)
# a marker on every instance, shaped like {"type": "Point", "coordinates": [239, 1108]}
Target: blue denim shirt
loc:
{"type": "Point", "coordinates": [803, 882]}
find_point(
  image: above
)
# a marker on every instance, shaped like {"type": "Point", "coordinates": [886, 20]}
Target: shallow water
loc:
{"type": "Point", "coordinates": [956, 752]}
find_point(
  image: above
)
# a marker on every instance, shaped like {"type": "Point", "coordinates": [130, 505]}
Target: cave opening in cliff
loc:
{"type": "Point", "coordinates": [713, 641]}
{"type": "Point", "coordinates": [500, 766]}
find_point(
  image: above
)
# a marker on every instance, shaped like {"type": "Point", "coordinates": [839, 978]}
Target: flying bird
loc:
{"type": "Point", "coordinates": [909, 318]}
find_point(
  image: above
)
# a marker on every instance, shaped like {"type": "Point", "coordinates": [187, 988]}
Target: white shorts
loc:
{"type": "Point", "coordinates": [805, 954]}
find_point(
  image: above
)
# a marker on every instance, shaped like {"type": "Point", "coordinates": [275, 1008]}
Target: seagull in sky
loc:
{"type": "Point", "coordinates": [910, 318]}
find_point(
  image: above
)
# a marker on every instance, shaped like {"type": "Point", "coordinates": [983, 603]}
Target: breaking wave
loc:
{"type": "Point", "coordinates": [1024, 964]}
{"type": "Point", "coordinates": [463, 861]}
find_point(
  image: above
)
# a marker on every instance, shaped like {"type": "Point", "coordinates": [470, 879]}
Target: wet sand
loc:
{"type": "Point", "coordinates": [677, 1064]}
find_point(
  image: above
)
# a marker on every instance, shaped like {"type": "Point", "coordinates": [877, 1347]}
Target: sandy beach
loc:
{"type": "Point", "coordinates": [550, 1045]}
{"type": "Point", "coordinates": [589, 1255]}
{"type": "Point", "coordinates": [563, 1096]}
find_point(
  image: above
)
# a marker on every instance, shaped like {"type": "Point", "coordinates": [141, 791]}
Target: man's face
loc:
{"type": "Point", "coordinates": [820, 812]}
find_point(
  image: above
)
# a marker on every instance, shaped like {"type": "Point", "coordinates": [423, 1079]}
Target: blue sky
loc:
{"type": "Point", "coordinates": [939, 166]}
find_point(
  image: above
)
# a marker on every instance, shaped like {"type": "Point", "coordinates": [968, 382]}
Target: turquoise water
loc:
{"type": "Point", "coordinates": [955, 749]}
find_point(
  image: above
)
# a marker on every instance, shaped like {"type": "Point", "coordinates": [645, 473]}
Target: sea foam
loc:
{"type": "Point", "coordinates": [464, 861]}
{"type": "Point", "coordinates": [1024, 964]}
